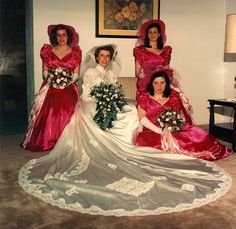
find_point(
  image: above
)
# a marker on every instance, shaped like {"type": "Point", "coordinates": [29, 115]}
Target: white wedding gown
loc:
{"type": "Point", "coordinates": [98, 172]}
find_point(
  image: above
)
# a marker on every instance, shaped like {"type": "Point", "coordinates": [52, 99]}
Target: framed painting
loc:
{"type": "Point", "coordinates": [123, 18]}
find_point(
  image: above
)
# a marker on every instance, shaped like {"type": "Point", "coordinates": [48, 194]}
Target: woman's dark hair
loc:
{"type": "Point", "coordinates": [159, 40]}
{"type": "Point", "coordinates": [53, 35]}
{"type": "Point", "coordinates": [167, 90]}
{"type": "Point", "coordinates": [108, 48]}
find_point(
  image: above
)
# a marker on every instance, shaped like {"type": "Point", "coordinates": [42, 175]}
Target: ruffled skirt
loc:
{"type": "Point", "coordinates": [192, 141]}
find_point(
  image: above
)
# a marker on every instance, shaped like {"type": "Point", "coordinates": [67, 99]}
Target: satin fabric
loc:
{"type": "Point", "coordinates": [97, 172]}
{"type": "Point", "coordinates": [52, 108]}
{"type": "Point", "coordinates": [192, 140]}
{"type": "Point", "coordinates": [151, 62]}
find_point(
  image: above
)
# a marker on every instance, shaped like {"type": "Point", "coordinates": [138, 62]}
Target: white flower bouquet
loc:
{"type": "Point", "coordinates": [172, 120]}
{"type": "Point", "coordinates": [59, 77]}
{"type": "Point", "coordinates": [110, 100]}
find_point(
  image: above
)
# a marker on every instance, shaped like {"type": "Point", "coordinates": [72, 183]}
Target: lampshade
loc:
{"type": "Point", "coordinates": [230, 38]}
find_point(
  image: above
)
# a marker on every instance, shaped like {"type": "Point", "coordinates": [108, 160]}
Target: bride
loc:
{"type": "Point", "coordinates": [102, 172]}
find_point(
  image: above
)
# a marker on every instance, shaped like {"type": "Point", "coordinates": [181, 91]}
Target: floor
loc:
{"type": "Point", "coordinates": [21, 210]}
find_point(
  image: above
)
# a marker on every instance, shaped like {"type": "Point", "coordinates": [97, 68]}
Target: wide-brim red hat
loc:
{"type": "Point", "coordinates": [145, 25]}
{"type": "Point", "coordinates": [75, 35]}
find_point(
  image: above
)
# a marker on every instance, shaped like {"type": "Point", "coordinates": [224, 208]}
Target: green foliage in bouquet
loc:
{"type": "Point", "coordinates": [60, 77]}
{"type": "Point", "coordinates": [110, 100]}
{"type": "Point", "coordinates": [172, 120]}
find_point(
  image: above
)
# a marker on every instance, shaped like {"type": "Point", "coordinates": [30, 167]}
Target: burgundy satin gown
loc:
{"type": "Point", "coordinates": [52, 108]}
{"type": "Point", "coordinates": [151, 62]}
{"type": "Point", "coordinates": [192, 140]}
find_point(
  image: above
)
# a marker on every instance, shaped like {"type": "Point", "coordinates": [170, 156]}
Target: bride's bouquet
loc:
{"type": "Point", "coordinates": [172, 120]}
{"type": "Point", "coordinates": [59, 77]}
{"type": "Point", "coordinates": [110, 100]}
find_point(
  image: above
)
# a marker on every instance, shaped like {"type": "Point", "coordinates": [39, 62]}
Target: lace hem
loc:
{"type": "Point", "coordinates": [94, 210]}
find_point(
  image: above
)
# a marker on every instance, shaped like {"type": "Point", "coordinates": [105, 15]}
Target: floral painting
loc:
{"type": "Point", "coordinates": [124, 17]}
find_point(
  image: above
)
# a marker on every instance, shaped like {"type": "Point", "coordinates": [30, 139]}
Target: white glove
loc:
{"type": "Point", "coordinates": [140, 75]}
{"type": "Point", "coordinates": [148, 124]}
{"type": "Point", "coordinates": [45, 75]}
{"type": "Point", "coordinates": [75, 77]}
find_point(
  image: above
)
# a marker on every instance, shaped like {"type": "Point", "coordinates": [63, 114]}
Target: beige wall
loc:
{"type": "Point", "coordinates": [195, 30]}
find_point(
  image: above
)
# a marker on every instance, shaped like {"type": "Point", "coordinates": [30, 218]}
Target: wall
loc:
{"type": "Point", "coordinates": [82, 17]}
{"type": "Point", "coordinates": [230, 68]}
{"type": "Point", "coordinates": [195, 30]}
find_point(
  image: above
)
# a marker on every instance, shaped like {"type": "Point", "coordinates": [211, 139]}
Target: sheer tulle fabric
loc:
{"type": "Point", "coordinates": [192, 140]}
{"type": "Point", "coordinates": [97, 172]}
{"type": "Point", "coordinates": [52, 108]}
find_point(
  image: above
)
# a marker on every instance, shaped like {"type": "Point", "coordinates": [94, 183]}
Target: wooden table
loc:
{"type": "Point", "coordinates": [224, 132]}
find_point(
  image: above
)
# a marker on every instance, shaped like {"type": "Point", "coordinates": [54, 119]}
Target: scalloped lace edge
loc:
{"type": "Point", "coordinates": [26, 185]}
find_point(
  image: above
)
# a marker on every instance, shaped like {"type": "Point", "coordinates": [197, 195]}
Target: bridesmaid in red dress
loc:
{"type": "Point", "coordinates": [53, 106]}
{"type": "Point", "coordinates": [152, 54]}
{"type": "Point", "coordinates": [191, 140]}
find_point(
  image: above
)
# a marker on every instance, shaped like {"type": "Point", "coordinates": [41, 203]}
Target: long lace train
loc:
{"type": "Point", "coordinates": [97, 172]}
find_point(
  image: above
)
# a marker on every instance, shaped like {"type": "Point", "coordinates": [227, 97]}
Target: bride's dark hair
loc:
{"type": "Point", "coordinates": [108, 48]}
{"type": "Point", "coordinates": [167, 90]}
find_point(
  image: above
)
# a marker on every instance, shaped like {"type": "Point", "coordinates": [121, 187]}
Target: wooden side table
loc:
{"type": "Point", "coordinates": [223, 132]}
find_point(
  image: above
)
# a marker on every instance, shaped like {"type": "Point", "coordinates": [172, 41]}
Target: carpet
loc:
{"type": "Point", "coordinates": [21, 210]}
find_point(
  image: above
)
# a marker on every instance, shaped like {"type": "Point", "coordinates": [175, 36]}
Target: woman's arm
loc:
{"type": "Point", "coordinates": [146, 122]}
{"type": "Point", "coordinates": [167, 55]}
{"type": "Point", "coordinates": [77, 70]}
{"type": "Point", "coordinates": [75, 74]}
{"type": "Point", "coordinates": [90, 79]}
{"type": "Point", "coordinates": [44, 72]}
{"type": "Point", "coordinates": [138, 70]}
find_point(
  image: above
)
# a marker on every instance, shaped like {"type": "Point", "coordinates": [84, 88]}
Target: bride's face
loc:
{"type": "Point", "coordinates": [159, 85]}
{"type": "Point", "coordinates": [104, 58]}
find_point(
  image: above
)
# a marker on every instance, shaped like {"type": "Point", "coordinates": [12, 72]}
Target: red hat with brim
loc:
{"type": "Point", "coordinates": [145, 25]}
{"type": "Point", "coordinates": [75, 35]}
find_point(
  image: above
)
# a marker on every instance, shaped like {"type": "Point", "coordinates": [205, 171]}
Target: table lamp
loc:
{"type": "Point", "coordinates": [230, 38]}
{"type": "Point", "coordinates": [230, 42]}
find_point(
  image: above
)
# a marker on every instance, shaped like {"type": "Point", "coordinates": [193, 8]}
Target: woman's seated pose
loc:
{"type": "Point", "coordinates": [55, 103]}
{"type": "Point", "coordinates": [103, 73]}
{"type": "Point", "coordinates": [151, 54]}
{"type": "Point", "coordinates": [190, 139]}
{"type": "Point", "coordinates": [101, 172]}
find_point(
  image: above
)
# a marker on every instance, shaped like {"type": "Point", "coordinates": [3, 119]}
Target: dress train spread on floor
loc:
{"type": "Point", "coordinates": [96, 172]}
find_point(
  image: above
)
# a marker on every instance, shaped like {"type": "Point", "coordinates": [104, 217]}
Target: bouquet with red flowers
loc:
{"type": "Point", "coordinates": [172, 120]}
{"type": "Point", "coordinates": [59, 77]}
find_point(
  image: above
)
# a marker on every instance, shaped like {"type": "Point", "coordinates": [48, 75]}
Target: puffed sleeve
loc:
{"type": "Point", "coordinates": [90, 79]}
{"type": "Point", "coordinates": [44, 54]}
{"type": "Point", "coordinates": [143, 102]}
{"type": "Point", "coordinates": [139, 54]}
{"type": "Point", "coordinates": [77, 52]}
{"type": "Point", "coordinates": [167, 54]}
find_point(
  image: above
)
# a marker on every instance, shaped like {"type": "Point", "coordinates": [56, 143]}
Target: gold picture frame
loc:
{"type": "Point", "coordinates": [123, 18]}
